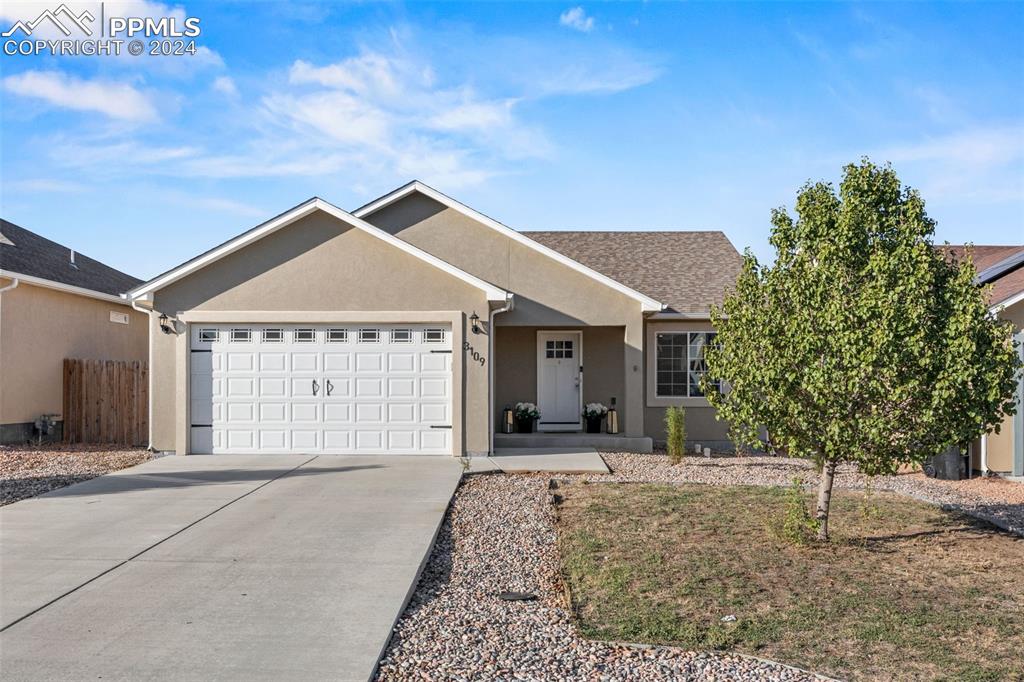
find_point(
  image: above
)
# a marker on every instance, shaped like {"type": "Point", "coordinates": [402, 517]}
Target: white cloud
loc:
{"type": "Point", "coordinates": [227, 206]}
{"type": "Point", "coordinates": [225, 85]}
{"type": "Point", "coordinates": [577, 19]}
{"type": "Point", "coordinates": [581, 78]}
{"type": "Point", "coordinates": [387, 113]}
{"type": "Point", "coordinates": [46, 186]}
{"type": "Point", "coordinates": [975, 164]}
{"type": "Point", "coordinates": [370, 74]}
{"type": "Point", "coordinates": [452, 116]}
{"type": "Point", "coordinates": [102, 154]}
{"type": "Point", "coordinates": [114, 99]}
{"type": "Point", "coordinates": [979, 148]}
{"type": "Point", "coordinates": [474, 115]}
{"type": "Point", "coordinates": [340, 116]}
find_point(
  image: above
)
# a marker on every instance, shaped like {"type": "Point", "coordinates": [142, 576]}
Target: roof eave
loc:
{"type": "Point", "coordinates": [1007, 302]}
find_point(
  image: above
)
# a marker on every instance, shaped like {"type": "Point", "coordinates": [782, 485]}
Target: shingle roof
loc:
{"type": "Point", "coordinates": [687, 271]}
{"type": "Point", "coordinates": [1006, 284]}
{"type": "Point", "coordinates": [27, 253]}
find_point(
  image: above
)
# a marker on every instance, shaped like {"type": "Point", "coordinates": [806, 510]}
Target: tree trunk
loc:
{"type": "Point", "coordinates": [828, 475]}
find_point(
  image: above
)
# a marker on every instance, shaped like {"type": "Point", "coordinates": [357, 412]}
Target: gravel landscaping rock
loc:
{"type": "Point", "coordinates": [30, 471]}
{"type": "Point", "coordinates": [499, 536]}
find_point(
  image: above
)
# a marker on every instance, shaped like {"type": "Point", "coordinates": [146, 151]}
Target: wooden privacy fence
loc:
{"type": "Point", "coordinates": [105, 401]}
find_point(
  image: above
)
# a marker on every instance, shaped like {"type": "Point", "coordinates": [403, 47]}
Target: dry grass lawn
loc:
{"type": "Point", "coordinates": [904, 590]}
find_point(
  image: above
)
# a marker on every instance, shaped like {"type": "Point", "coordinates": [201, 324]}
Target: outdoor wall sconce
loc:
{"type": "Point", "coordinates": [165, 325]}
{"type": "Point", "coordinates": [474, 322]}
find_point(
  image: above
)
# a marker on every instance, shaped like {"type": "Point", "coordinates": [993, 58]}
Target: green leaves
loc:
{"type": "Point", "coordinates": [861, 342]}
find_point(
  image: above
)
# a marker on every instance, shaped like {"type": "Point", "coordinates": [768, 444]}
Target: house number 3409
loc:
{"type": "Point", "coordinates": [466, 346]}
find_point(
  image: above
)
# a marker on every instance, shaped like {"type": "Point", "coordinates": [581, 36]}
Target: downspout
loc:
{"type": "Point", "coordinates": [149, 371]}
{"type": "Point", "coordinates": [13, 285]}
{"type": "Point", "coordinates": [509, 305]}
{"type": "Point", "coordinates": [984, 454]}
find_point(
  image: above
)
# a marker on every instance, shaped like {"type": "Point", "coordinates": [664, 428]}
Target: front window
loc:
{"type": "Point", "coordinates": [680, 363]}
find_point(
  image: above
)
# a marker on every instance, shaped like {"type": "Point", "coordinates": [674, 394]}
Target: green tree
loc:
{"type": "Point", "coordinates": [862, 343]}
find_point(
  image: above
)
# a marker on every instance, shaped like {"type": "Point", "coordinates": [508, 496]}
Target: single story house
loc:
{"type": "Point", "coordinates": [408, 325]}
{"type": "Point", "coordinates": [1001, 268]}
{"type": "Point", "coordinates": [55, 304]}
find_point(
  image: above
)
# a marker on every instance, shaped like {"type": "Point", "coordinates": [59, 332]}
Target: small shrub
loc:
{"type": "Point", "coordinates": [675, 428]}
{"type": "Point", "coordinates": [797, 524]}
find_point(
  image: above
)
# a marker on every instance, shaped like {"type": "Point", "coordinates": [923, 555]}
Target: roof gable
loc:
{"type": "Point", "coordinates": [291, 216]}
{"type": "Point", "coordinates": [23, 252]}
{"type": "Point", "coordinates": [647, 302]}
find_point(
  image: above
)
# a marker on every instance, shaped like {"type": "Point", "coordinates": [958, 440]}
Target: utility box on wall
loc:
{"type": "Point", "coordinates": [951, 465]}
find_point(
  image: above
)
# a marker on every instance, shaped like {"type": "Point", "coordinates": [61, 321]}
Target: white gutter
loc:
{"type": "Point", "coordinates": [13, 285]}
{"type": "Point", "coordinates": [666, 315]}
{"type": "Point", "coordinates": [149, 371]}
{"type": "Point", "coordinates": [510, 303]}
{"type": "Point", "coordinates": [60, 286]}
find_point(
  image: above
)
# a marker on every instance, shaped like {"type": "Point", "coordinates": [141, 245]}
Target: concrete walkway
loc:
{"type": "Point", "coordinates": [575, 460]}
{"type": "Point", "coordinates": [218, 567]}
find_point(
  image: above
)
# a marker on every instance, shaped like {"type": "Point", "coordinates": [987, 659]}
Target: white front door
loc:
{"type": "Point", "coordinates": [332, 389]}
{"type": "Point", "coordinates": [558, 380]}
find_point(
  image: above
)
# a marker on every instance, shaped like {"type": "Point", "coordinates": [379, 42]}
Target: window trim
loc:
{"type": "Point", "coordinates": [298, 330]}
{"type": "Point", "coordinates": [430, 330]}
{"type": "Point", "coordinates": [204, 330]}
{"type": "Point", "coordinates": [336, 330]}
{"type": "Point", "coordinates": [247, 330]}
{"type": "Point", "coordinates": [651, 361]}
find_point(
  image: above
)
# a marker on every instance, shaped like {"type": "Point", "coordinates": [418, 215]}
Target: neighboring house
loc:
{"type": "Point", "coordinates": [55, 304]}
{"type": "Point", "coordinates": [1002, 268]}
{"type": "Point", "coordinates": [407, 326]}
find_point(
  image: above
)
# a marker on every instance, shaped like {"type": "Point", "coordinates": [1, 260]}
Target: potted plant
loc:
{"type": "Point", "coordinates": [594, 414]}
{"type": "Point", "coordinates": [526, 414]}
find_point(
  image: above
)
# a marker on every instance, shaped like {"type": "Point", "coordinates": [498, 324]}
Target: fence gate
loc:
{"type": "Point", "coordinates": [105, 401]}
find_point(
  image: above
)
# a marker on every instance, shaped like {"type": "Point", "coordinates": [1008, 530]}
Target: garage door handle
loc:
{"type": "Point", "coordinates": [330, 387]}
{"type": "Point", "coordinates": [316, 387]}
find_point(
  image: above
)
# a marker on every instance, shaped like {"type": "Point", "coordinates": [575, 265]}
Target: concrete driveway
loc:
{"type": "Point", "coordinates": [218, 567]}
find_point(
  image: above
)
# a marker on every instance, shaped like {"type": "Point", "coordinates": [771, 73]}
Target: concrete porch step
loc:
{"type": "Point", "coordinates": [599, 441]}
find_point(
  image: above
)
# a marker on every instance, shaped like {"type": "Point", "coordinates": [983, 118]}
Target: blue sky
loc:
{"type": "Point", "coordinates": [542, 115]}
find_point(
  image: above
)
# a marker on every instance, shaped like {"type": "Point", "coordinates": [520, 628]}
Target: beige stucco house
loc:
{"type": "Point", "coordinates": [55, 304]}
{"type": "Point", "coordinates": [408, 325]}
{"type": "Point", "coordinates": [1001, 269]}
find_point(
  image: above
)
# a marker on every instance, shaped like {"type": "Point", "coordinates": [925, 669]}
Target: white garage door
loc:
{"type": "Point", "coordinates": [333, 389]}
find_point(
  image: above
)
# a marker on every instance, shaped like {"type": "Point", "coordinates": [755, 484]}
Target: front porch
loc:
{"type": "Point", "coordinates": [561, 439]}
{"type": "Point", "coordinates": [562, 368]}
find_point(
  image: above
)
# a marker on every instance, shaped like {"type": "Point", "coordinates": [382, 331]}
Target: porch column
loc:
{"type": "Point", "coordinates": [633, 366]}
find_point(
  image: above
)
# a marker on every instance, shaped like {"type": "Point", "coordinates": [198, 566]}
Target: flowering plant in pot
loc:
{"type": "Point", "coordinates": [526, 414]}
{"type": "Point", "coordinates": [594, 414]}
